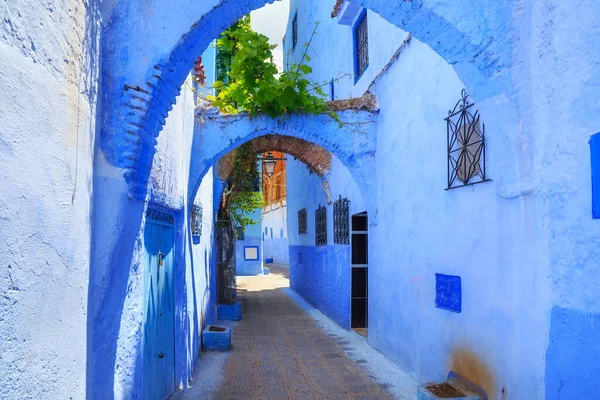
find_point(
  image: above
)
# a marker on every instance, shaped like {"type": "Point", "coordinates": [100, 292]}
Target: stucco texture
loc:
{"type": "Point", "coordinates": [48, 75]}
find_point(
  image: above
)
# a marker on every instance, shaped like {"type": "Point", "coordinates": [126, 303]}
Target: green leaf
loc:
{"type": "Point", "coordinates": [306, 69]}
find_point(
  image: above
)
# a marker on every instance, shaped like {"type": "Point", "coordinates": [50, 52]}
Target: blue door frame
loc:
{"type": "Point", "coordinates": [159, 323]}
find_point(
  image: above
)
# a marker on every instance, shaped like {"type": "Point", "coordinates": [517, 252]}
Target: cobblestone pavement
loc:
{"type": "Point", "coordinates": [280, 353]}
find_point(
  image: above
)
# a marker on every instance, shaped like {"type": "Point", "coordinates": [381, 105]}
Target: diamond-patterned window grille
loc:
{"type": "Point", "coordinates": [341, 221]}
{"type": "Point", "coordinates": [361, 46]}
{"type": "Point", "coordinates": [196, 220]}
{"type": "Point", "coordinates": [295, 31]}
{"type": "Point", "coordinates": [302, 221]}
{"type": "Point", "coordinates": [466, 145]}
{"type": "Point", "coordinates": [321, 226]}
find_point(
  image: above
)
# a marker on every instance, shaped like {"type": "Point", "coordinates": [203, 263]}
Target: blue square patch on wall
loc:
{"type": "Point", "coordinates": [448, 292]}
{"type": "Point", "coordinates": [595, 151]}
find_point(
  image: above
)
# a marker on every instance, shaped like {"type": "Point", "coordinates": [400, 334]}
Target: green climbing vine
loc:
{"type": "Point", "coordinates": [249, 81]}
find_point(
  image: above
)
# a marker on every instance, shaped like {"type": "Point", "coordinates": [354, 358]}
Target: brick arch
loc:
{"type": "Point", "coordinates": [475, 36]}
{"type": "Point", "coordinates": [312, 139]}
{"type": "Point", "coordinates": [314, 156]}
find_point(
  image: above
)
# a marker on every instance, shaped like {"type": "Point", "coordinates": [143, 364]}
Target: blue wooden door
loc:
{"type": "Point", "coordinates": [159, 325]}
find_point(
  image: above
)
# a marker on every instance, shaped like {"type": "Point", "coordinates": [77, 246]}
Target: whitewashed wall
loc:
{"type": "Point", "coordinates": [48, 81]}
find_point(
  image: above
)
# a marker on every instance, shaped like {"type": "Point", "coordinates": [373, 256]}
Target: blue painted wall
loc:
{"type": "Point", "coordinates": [252, 237]}
{"type": "Point", "coordinates": [115, 360]}
{"type": "Point", "coordinates": [320, 274]}
{"type": "Point", "coordinates": [573, 357]}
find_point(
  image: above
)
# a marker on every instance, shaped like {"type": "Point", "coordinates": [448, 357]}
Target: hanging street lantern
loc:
{"type": "Point", "coordinates": [269, 163]}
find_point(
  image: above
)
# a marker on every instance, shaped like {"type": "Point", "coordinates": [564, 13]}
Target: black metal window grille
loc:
{"type": "Point", "coordinates": [239, 233]}
{"type": "Point", "coordinates": [321, 226]}
{"type": "Point", "coordinates": [196, 220]}
{"type": "Point", "coordinates": [341, 221]}
{"type": "Point", "coordinates": [302, 221]}
{"type": "Point", "coordinates": [160, 216]}
{"type": "Point", "coordinates": [295, 31]}
{"type": "Point", "coordinates": [466, 145]}
{"type": "Point", "coordinates": [361, 46]}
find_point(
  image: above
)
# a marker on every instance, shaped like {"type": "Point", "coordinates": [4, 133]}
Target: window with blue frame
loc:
{"type": "Point", "coordinates": [361, 46]}
{"type": "Point", "coordinates": [332, 90]}
{"type": "Point", "coordinates": [295, 31]}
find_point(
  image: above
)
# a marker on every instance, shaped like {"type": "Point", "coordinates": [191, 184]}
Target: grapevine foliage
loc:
{"type": "Point", "coordinates": [249, 81]}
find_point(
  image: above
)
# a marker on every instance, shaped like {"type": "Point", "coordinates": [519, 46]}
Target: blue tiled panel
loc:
{"type": "Point", "coordinates": [448, 292]}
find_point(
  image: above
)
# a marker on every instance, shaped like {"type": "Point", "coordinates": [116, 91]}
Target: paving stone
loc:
{"type": "Point", "coordinates": [280, 353]}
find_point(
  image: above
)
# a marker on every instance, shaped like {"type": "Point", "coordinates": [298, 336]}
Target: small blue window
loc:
{"type": "Point", "coordinates": [271, 233]}
{"type": "Point", "coordinates": [332, 90]}
{"type": "Point", "coordinates": [295, 31]}
{"type": "Point", "coordinates": [361, 46]}
{"type": "Point", "coordinates": [595, 150]}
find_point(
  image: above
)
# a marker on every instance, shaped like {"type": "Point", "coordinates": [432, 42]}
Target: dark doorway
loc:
{"type": "Point", "coordinates": [360, 273]}
{"type": "Point", "coordinates": [226, 290]}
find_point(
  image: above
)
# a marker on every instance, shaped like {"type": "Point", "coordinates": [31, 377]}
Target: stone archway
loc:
{"type": "Point", "coordinates": [354, 143]}
{"type": "Point", "coordinates": [474, 36]}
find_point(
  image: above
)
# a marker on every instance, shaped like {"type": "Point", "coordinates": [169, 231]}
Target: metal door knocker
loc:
{"type": "Point", "coordinates": [161, 257]}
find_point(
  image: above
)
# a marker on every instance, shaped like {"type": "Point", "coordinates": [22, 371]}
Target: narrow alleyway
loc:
{"type": "Point", "coordinates": [279, 352]}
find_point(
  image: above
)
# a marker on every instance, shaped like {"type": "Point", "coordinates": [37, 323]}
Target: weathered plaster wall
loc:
{"type": "Point", "coordinates": [49, 81]}
{"type": "Point", "coordinates": [276, 242]}
{"type": "Point", "coordinates": [198, 300]}
{"type": "Point", "coordinates": [562, 50]}
{"type": "Point", "coordinates": [489, 240]}
{"type": "Point", "coordinates": [118, 289]}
